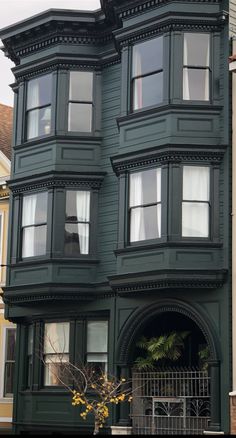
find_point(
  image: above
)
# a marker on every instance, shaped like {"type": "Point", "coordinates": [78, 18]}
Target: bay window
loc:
{"type": "Point", "coordinates": [196, 201]}
{"type": "Point", "coordinates": [196, 68]}
{"type": "Point", "coordinates": [147, 73]}
{"type": "Point", "coordinates": [34, 224]}
{"type": "Point", "coordinates": [145, 205]}
{"type": "Point", "coordinates": [97, 345]}
{"type": "Point", "coordinates": [38, 106]}
{"type": "Point", "coordinates": [77, 223]}
{"type": "Point", "coordinates": [80, 112]}
{"type": "Point", "coordinates": [56, 353]}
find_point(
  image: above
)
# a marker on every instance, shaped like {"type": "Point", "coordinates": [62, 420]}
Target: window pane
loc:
{"type": "Point", "coordinates": [39, 91]}
{"type": "Point", "coordinates": [30, 340]}
{"type": "Point", "coordinates": [38, 122]}
{"type": "Point", "coordinates": [56, 370]}
{"type": "Point", "coordinates": [9, 378]}
{"type": "Point", "coordinates": [98, 362]}
{"type": "Point", "coordinates": [81, 86]}
{"type": "Point", "coordinates": [147, 57]}
{"type": "Point", "coordinates": [34, 209]}
{"type": "Point", "coordinates": [80, 117]}
{"type": "Point", "coordinates": [34, 241]}
{"type": "Point", "coordinates": [195, 219]}
{"type": "Point", "coordinates": [196, 183]}
{"type": "Point", "coordinates": [56, 337]}
{"type": "Point", "coordinates": [10, 344]}
{"type": "Point", "coordinates": [145, 187]}
{"type": "Point", "coordinates": [76, 239]}
{"type": "Point", "coordinates": [196, 49]}
{"type": "Point", "coordinates": [145, 223]}
{"type": "Point", "coordinates": [97, 336]}
{"type": "Point", "coordinates": [195, 84]}
{"type": "Point", "coordinates": [148, 91]}
{"type": "Point", "coordinates": [77, 206]}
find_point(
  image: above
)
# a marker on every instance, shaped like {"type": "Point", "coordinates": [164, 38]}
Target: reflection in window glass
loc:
{"type": "Point", "coordinates": [147, 73]}
{"type": "Point", "coordinates": [80, 110]}
{"type": "Point", "coordinates": [56, 353]}
{"type": "Point", "coordinates": [196, 70]}
{"type": "Point", "coordinates": [77, 223]}
{"type": "Point", "coordinates": [39, 98]}
{"type": "Point", "coordinates": [97, 345]}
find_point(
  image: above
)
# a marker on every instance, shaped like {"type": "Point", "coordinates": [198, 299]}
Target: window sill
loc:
{"type": "Point", "coordinates": [180, 105]}
{"type": "Point", "coordinates": [66, 260]}
{"type": "Point", "coordinates": [6, 400]}
{"type": "Point", "coordinates": [160, 244]}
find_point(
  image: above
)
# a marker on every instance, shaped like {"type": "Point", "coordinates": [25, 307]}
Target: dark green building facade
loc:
{"type": "Point", "coordinates": [120, 207]}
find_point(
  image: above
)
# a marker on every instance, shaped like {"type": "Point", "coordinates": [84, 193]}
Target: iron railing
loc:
{"type": "Point", "coordinates": [170, 402]}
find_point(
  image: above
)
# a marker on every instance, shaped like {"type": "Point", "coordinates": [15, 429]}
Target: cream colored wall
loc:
{"type": "Point", "coordinates": [6, 404]}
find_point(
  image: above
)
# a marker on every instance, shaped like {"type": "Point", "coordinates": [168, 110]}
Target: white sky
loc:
{"type": "Point", "coordinates": [12, 11]}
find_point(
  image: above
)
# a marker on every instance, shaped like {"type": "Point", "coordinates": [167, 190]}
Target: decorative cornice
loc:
{"type": "Point", "coordinates": [95, 65]}
{"type": "Point", "coordinates": [80, 183]}
{"type": "Point", "coordinates": [126, 12]}
{"type": "Point", "coordinates": [167, 26]}
{"type": "Point", "coordinates": [123, 164]}
{"type": "Point", "coordinates": [146, 286]}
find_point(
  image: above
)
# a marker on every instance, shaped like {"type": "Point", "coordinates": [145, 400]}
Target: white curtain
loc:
{"type": "Point", "coordinates": [186, 90]}
{"type": "Point", "coordinates": [137, 229]}
{"type": "Point", "coordinates": [33, 115]}
{"type": "Point", "coordinates": [28, 218]}
{"type": "Point", "coordinates": [202, 87]}
{"type": "Point", "coordinates": [137, 71]}
{"type": "Point", "coordinates": [195, 215]}
{"type": "Point", "coordinates": [207, 88]}
{"type": "Point", "coordinates": [83, 215]}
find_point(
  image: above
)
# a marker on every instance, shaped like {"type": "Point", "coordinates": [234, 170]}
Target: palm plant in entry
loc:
{"type": "Point", "coordinates": [164, 347]}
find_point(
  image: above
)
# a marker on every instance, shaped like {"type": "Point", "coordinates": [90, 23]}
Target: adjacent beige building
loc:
{"type": "Point", "coordinates": [7, 329]}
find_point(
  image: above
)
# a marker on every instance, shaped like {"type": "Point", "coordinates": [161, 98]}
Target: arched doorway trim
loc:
{"type": "Point", "coordinates": [133, 327]}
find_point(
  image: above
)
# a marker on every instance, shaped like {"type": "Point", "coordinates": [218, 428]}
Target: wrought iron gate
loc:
{"type": "Point", "coordinates": [170, 402]}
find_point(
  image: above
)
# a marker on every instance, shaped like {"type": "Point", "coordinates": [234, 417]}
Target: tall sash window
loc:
{"type": "Point", "coordinates": [38, 106]}
{"type": "Point", "coordinates": [196, 68]}
{"type": "Point", "coordinates": [147, 73]}
{"type": "Point", "coordinates": [145, 205]}
{"type": "Point", "coordinates": [77, 222]}
{"type": "Point", "coordinates": [56, 353]}
{"type": "Point", "coordinates": [196, 201]}
{"type": "Point", "coordinates": [34, 224]}
{"type": "Point", "coordinates": [80, 114]}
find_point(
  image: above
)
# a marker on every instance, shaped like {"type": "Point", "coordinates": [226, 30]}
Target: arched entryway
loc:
{"type": "Point", "coordinates": [176, 397]}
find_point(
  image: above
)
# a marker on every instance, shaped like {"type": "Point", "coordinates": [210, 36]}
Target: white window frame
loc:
{"type": "Point", "coordinates": [2, 214]}
{"type": "Point", "coordinates": [2, 368]}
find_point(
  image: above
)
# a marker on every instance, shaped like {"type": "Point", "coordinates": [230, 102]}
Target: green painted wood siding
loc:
{"type": "Point", "coordinates": [108, 195]}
